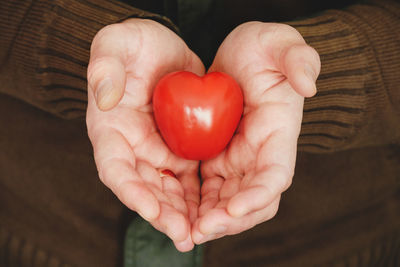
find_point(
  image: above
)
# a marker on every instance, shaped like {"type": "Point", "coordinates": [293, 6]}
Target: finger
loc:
{"type": "Point", "coordinates": [185, 245]}
{"type": "Point", "coordinates": [149, 174]}
{"type": "Point", "coordinates": [190, 183]}
{"type": "Point", "coordinates": [187, 180]}
{"type": "Point", "coordinates": [210, 194]}
{"type": "Point", "coordinates": [194, 64]}
{"type": "Point", "coordinates": [165, 188]}
{"type": "Point", "coordinates": [116, 165]}
{"type": "Point", "coordinates": [106, 70]}
{"type": "Point", "coordinates": [291, 55]}
{"type": "Point", "coordinates": [106, 78]}
{"type": "Point", "coordinates": [230, 187]}
{"type": "Point", "coordinates": [301, 65]}
{"type": "Point", "coordinates": [261, 191]}
{"type": "Point", "coordinates": [173, 190]}
{"type": "Point", "coordinates": [171, 196]}
{"type": "Point", "coordinates": [274, 168]}
{"type": "Point", "coordinates": [134, 193]}
{"type": "Point", "coordinates": [218, 223]}
{"type": "Point", "coordinates": [173, 223]}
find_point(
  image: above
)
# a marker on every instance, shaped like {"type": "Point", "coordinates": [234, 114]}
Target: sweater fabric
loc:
{"type": "Point", "coordinates": [55, 212]}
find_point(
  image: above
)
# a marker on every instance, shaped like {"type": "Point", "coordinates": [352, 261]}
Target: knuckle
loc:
{"type": "Point", "coordinates": [316, 56]}
{"type": "Point", "coordinates": [101, 67]}
{"type": "Point", "coordinates": [105, 170]}
{"type": "Point", "coordinates": [94, 71]}
{"type": "Point", "coordinates": [111, 38]}
{"type": "Point", "coordinates": [288, 183]}
{"type": "Point", "coordinates": [108, 30]}
{"type": "Point", "coordinates": [110, 173]}
{"type": "Point", "coordinates": [287, 28]}
{"type": "Point", "coordinates": [91, 70]}
{"type": "Point", "coordinates": [279, 32]}
{"type": "Point", "coordinates": [250, 24]}
{"type": "Point", "coordinates": [247, 29]}
{"type": "Point", "coordinates": [296, 51]}
{"type": "Point", "coordinates": [287, 178]}
{"type": "Point", "coordinates": [274, 212]}
{"type": "Point", "coordinates": [273, 209]}
{"type": "Point", "coordinates": [105, 34]}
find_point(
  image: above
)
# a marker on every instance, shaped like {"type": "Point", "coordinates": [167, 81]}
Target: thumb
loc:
{"type": "Point", "coordinates": [300, 63]}
{"type": "Point", "coordinates": [106, 70]}
{"type": "Point", "coordinates": [106, 78]}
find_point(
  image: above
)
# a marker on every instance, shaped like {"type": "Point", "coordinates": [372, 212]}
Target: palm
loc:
{"type": "Point", "coordinates": [129, 151]}
{"type": "Point", "coordinates": [132, 137]}
{"type": "Point", "coordinates": [242, 186]}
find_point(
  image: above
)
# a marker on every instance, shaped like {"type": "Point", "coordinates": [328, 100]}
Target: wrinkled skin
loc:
{"type": "Point", "coordinates": [128, 149]}
{"type": "Point", "coordinates": [241, 186]}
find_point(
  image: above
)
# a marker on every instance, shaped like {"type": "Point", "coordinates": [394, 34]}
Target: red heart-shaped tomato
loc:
{"type": "Point", "coordinates": [197, 116]}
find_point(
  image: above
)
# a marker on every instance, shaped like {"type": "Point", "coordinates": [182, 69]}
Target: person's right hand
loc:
{"type": "Point", "coordinates": [126, 61]}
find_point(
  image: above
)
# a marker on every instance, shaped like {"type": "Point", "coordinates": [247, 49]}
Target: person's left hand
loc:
{"type": "Point", "coordinates": [243, 185]}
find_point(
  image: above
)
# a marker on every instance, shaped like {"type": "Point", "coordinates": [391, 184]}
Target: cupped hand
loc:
{"type": "Point", "coordinates": [126, 61]}
{"type": "Point", "coordinates": [242, 186]}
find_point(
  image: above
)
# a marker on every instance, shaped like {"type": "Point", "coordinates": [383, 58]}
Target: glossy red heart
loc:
{"type": "Point", "coordinates": [197, 116]}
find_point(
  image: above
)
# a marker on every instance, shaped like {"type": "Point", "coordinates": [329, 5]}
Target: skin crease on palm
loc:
{"type": "Point", "coordinates": [241, 186]}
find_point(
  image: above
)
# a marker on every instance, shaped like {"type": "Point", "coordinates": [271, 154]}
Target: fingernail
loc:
{"type": "Point", "coordinates": [310, 73]}
{"type": "Point", "coordinates": [104, 91]}
{"type": "Point", "coordinates": [186, 244]}
{"type": "Point", "coordinates": [167, 172]}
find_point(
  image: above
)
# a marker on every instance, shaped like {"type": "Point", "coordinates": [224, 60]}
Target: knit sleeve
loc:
{"type": "Point", "coordinates": [44, 49]}
{"type": "Point", "coordinates": [358, 99]}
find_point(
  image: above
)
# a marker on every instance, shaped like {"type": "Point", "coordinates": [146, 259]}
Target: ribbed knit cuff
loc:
{"type": "Point", "coordinates": [358, 88]}
{"type": "Point", "coordinates": [44, 51]}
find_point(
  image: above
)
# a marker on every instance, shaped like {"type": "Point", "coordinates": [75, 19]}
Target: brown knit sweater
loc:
{"type": "Point", "coordinates": [44, 52]}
